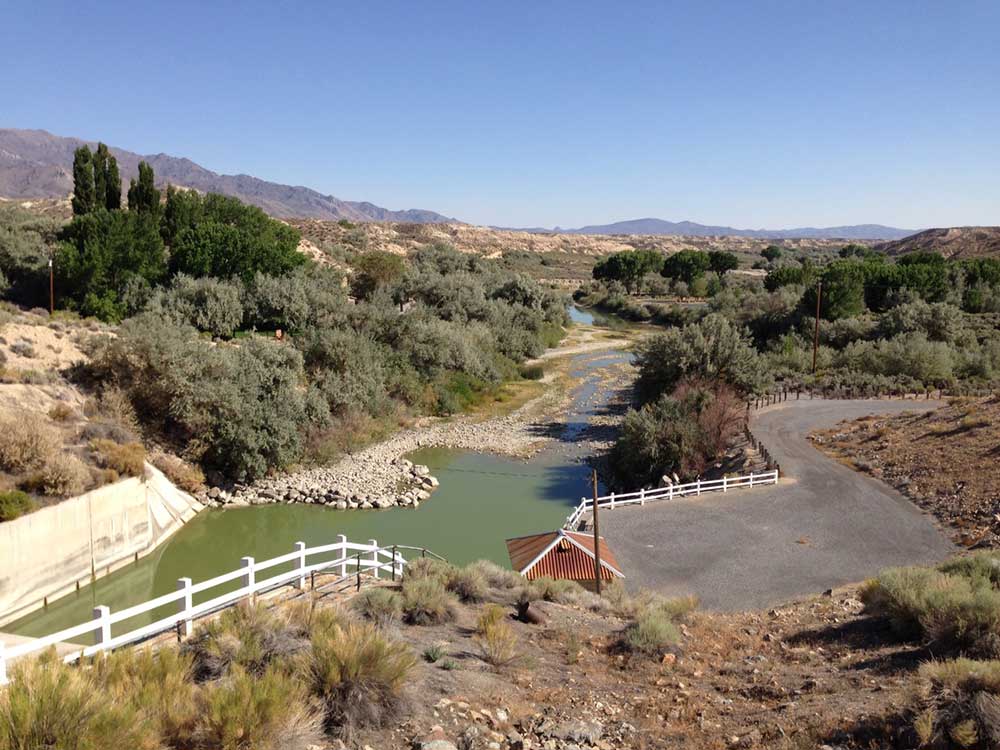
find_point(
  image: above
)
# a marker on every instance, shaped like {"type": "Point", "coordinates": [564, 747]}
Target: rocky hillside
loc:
{"type": "Point", "coordinates": [37, 164]}
{"type": "Point", "coordinates": [951, 242]}
{"type": "Point", "coordinates": [694, 229]}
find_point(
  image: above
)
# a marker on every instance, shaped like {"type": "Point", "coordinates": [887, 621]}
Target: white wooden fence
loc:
{"type": "Point", "coordinates": [345, 555]}
{"type": "Point", "coordinates": [642, 497]}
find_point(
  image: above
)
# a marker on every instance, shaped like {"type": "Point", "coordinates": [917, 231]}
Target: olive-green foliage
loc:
{"type": "Point", "coordinates": [358, 675]}
{"type": "Point", "coordinates": [660, 438]}
{"type": "Point", "coordinates": [381, 605]}
{"type": "Point", "coordinates": [957, 704]}
{"type": "Point", "coordinates": [426, 601]}
{"type": "Point", "coordinates": [143, 197]}
{"type": "Point", "coordinates": [26, 242]}
{"type": "Point", "coordinates": [720, 261]}
{"type": "Point", "coordinates": [14, 504]}
{"type": "Point", "coordinates": [374, 270]}
{"type": "Point", "coordinates": [211, 305]}
{"type": "Point", "coordinates": [628, 267]}
{"type": "Point", "coordinates": [238, 409]}
{"type": "Point", "coordinates": [955, 607]}
{"type": "Point", "coordinates": [269, 711]}
{"type": "Point", "coordinates": [654, 622]}
{"type": "Point", "coordinates": [712, 349]}
{"type": "Point", "coordinates": [686, 265]}
{"type": "Point", "coordinates": [50, 705]}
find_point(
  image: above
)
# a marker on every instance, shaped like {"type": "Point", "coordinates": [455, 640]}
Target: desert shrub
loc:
{"type": "Point", "coordinates": [211, 305]}
{"type": "Point", "coordinates": [713, 349]}
{"type": "Point", "coordinates": [358, 674]}
{"type": "Point", "coordinates": [467, 583]}
{"type": "Point", "coordinates": [380, 605]}
{"type": "Point", "coordinates": [249, 637]}
{"type": "Point", "coordinates": [426, 602]}
{"type": "Point", "coordinates": [268, 711]}
{"type": "Point", "coordinates": [14, 504]}
{"type": "Point", "coordinates": [51, 705]}
{"type": "Point", "coordinates": [957, 704]}
{"type": "Point", "coordinates": [497, 643]}
{"type": "Point", "coordinates": [497, 577]}
{"type": "Point", "coordinates": [61, 475]}
{"type": "Point", "coordinates": [954, 612]}
{"type": "Point", "coordinates": [61, 413]}
{"type": "Point", "coordinates": [25, 442]}
{"type": "Point", "coordinates": [186, 476]}
{"type": "Point", "coordinates": [650, 634]}
{"type": "Point", "coordinates": [23, 349]}
{"type": "Point", "coordinates": [427, 567]}
{"type": "Point", "coordinates": [532, 372]}
{"type": "Point", "coordinates": [490, 615]}
{"type": "Point", "coordinates": [433, 653]}
{"type": "Point", "coordinates": [128, 460]}
{"type": "Point", "coordinates": [158, 684]}
{"type": "Point", "coordinates": [558, 590]}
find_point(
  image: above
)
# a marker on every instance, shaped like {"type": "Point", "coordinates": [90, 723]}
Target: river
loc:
{"type": "Point", "coordinates": [482, 500]}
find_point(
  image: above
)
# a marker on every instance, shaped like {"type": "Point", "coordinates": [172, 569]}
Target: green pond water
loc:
{"type": "Point", "coordinates": [482, 500]}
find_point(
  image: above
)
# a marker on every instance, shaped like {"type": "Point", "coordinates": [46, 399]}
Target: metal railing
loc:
{"type": "Point", "coordinates": [669, 492]}
{"type": "Point", "coordinates": [345, 555]}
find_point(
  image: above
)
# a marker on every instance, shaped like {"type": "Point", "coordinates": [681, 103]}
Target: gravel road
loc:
{"type": "Point", "coordinates": [824, 525]}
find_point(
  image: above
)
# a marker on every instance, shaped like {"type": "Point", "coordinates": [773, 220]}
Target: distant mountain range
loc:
{"type": "Point", "coordinates": [693, 229]}
{"type": "Point", "coordinates": [37, 164]}
{"type": "Point", "coordinates": [951, 242]}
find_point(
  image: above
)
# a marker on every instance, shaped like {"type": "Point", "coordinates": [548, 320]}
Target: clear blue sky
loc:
{"type": "Point", "coordinates": [753, 114]}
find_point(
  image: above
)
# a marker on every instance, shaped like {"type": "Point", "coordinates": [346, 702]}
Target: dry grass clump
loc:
{"type": "Point", "coordinates": [50, 705]}
{"type": "Point", "coordinates": [62, 413]}
{"type": "Point", "coordinates": [248, 636]}
{"type": "Point", "coordinates": [468, 584]}
{"type": "Point", "coordinates": [497, 642]}
{"type": "Point", "coordinates": [654, 626]}
{"type": "Point", "coordinates": [380, 605]}
{"type": "Point", "coordinates": [359, 675]}
{"type": "Point", "coordinates": [427, 567]}
{"type": "Point", "coordinates": [126, 459]}
{"type": "Point", "coordinates": [956, 607]}
{"type": "Point", "coordinates": [186, 476]}
{"type": "Point", "coordinates": [61, 475]}
{"type": "Point", "coordinates": [426, 602]}
{"type": "Point", "coordinates": [559, 591]}
{"type": "Point", "coordinates": [268, 711]}
{"type": "Point", "coordinates": [26, 443]}
{"type": "Point", "coordinates": [958, 704]}
{"type": "Point", "coordinates": [497, 577]}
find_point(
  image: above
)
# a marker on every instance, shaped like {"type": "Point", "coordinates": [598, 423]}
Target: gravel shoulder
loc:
{"type": "Point", "coordinates": [824, 525]}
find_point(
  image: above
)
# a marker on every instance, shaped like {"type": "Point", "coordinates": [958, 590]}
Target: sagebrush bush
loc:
{"type": "Point", "coordinates": [359, 675]}
{"type": "Point", "coordinates": [61, 413]}
{"type": "Point", "coordinates": [497, 577]}
{"type": "Point", "coordinates": [128, 459]}
{"type": "Point", "coordinates": [558, 590]}
{"type": "Point", "coordinates": [14, 504]}
{"type": "Point", "coordinates": [59, 475]}
{"type": "Point", "coordinates": [268, 711]}
{"type": "Point", "coordinates": [427, 567]}
{"type": "Point", "coordinates": [248, 636]}
{"type": "Point", "coordinates": [651, 633]}
{"type": "Point", "coordinates": [467, 583]}
{"type": "Point", "coordinates": [380, 605]}
{"type": "Point", "coordinates": [498, 643]}
{"type": "Point", "coordinates": [51, 705]}
{"type": "Point", "coordinates": [955, 611]}
{"type": "Point", "coordinates": [26, 442]}
{"type": "Point", "coordinates": [426, 602]}
{"type": "Point", "coordinates": [957, 704]}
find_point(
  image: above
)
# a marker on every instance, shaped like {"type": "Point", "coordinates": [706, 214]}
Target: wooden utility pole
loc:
{"type": "Point", "coordinates": [597, 540]}
{"type": "Point", "coordinates": [819, 298]}
{"type": "Point", "coordinates": [52, 289]}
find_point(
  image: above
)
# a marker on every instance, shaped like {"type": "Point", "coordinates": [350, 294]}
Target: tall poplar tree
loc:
{"type": "Point", "coordinates": [83, 182]}
{"type": "Point", "coordinates": [100, 161]}
{"type": "Point", "coordinates": [143, 197]}
{"type": "Point", "coordinates": [113, 196]}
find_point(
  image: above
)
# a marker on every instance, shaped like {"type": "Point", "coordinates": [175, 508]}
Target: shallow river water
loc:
{"type": "Point", "coordinates": [482, 500]}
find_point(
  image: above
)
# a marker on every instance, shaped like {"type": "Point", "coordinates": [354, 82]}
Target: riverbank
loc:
{"type": "Point", "coordinates": [380, 476]}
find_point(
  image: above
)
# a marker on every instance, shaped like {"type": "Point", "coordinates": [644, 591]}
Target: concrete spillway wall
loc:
{"type": "Point", "coordinates": [57, 549]}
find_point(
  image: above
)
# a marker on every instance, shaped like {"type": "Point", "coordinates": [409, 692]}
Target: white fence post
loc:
{"type": "Point", "coordinates": [342, 541]}
{"type": "Point", "coordinates": [185, 605]}
{"type": "Point", "coordinates": [612, 501]}
{"type": "Point", "coordinates": [249, 579]}
{"type": "Point", "coordinates": [300, 547]}
{"type": "Point", "coordinates": [698, 487]}
{"type": "Point", "coordinates": [102, 635]}
{"type": "Point", "coordinates": [3, 666]}
{"type": "Point", "coordinates": [642, 496]}
{"type": "Point", "coordinates": [725, 488]}
{"type": "Point", "coordinates": [374, 546]}
{"type": "Point", "coordinates": [670, 491]}
{"type": "Point", "coordinates": [751, 479]}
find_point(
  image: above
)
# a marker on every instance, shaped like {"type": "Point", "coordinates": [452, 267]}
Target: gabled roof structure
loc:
{"type": "Point", "coordinates": [561, 554]}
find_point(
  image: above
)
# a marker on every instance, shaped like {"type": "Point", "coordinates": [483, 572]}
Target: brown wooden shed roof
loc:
{"type": "Point", "coordinates": [561, 554]}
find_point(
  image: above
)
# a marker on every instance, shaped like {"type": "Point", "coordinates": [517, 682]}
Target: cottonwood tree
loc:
{"type": "Point", "coordinates": [83, 181]}
{"type": "Point", "coordinates": [720, 261]}
{"type": "Point", "coordinates": [143, 197]}
{"type": "Point", "coordinates": [685, 265]}
{"type": "Point", "coordinates": [628, 267]}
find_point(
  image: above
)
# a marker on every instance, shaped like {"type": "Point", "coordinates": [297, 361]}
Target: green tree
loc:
{"type": "Point", "coordinates": [628, 267]}
{"type": "Point", "coordinates": [713, 349]}
{"type": "Point", "coordinates": [83, 182]}
{"type": "Point", "coordinates": [720, 261]}
{"type": "Point", "coordinates": [375, 270]}
{"type": "Point", "coordinates": [100, 166]}
{"type": "Point", "coordinates": [685, 265]}
{"type": "Point", "coordinates": [771, 253]}
{"type": "Point", "coordinates": [143, 197]}
{"type": "Point", "coordinates": [113, 186]}
{"type": "Point", "coordinates": [843, 294]}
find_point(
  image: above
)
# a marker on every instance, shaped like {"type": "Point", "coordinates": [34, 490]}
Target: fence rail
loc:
{"type": "Point", "coordinates": [359, 558]}
{"type": "Point", "coordinates": [669, 492]}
